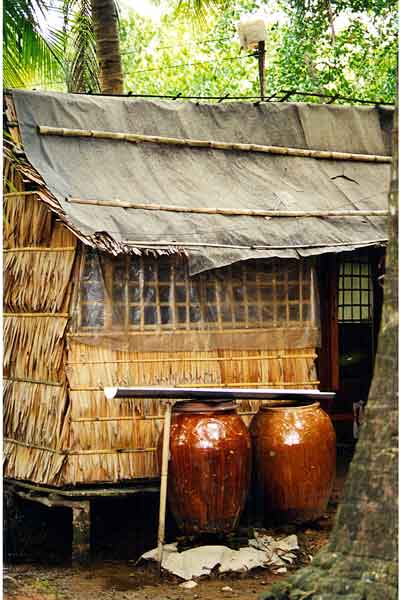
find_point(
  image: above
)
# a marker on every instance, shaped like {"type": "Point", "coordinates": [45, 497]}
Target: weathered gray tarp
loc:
{"type": "Point", "coordinates": [199, 177]}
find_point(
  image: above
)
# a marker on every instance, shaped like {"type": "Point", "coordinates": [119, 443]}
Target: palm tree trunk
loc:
{"type": "Point", "coordinates": [360, 560]}
{"type": "Point", "coordinates": [105, 21]}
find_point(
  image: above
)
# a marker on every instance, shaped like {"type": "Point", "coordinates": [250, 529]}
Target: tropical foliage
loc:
{"type": "Point", "coordinates": [80, 61]}
{"type": "Point", "coordinates": [62, 56]}
{"type": "Point", "coordinates": [349, 49]}
{"type": "Point", "coordinates": [28, 53]}
{"type": "Point", "coordinates": [330, 46]}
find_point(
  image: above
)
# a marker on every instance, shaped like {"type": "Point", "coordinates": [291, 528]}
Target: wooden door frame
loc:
{"type": "Point", "coordinates": [328, 352]}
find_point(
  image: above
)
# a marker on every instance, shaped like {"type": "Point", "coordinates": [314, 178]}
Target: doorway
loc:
{"type": "Point", "coordinates": [349, 333]}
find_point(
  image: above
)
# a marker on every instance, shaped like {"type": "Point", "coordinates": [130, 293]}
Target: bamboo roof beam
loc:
{"type": "Point", "coordinates": [163, 244]}
{"type": "Point", "coordinates": [215, 145]}
{"type": "Point", "coordinates": [233, 211]}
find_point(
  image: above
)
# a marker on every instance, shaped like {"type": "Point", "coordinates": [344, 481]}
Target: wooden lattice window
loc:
{"type": "Point", "coordinates": [355, 301]}
{"type": "Point", "coordinates": [151, 294]}
{"type": "Point", "coordinates": [92, 293]}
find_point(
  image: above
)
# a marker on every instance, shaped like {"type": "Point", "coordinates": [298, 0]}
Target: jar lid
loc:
{"type": "Point", "coordinates": [205, 406]}
{"type": "Point", "coordinates": [290, 404]}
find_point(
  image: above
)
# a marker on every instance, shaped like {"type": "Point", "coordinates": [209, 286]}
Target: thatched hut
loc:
{"type": "Point", "coordinates": [150, 242]}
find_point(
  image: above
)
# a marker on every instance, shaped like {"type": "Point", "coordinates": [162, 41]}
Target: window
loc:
{"type": "Point", "coordinates": [153, 294]}
{"type": "Point", "coordinates": [92, 293]}
{"type": "Point", "coordinates": [355, 302]}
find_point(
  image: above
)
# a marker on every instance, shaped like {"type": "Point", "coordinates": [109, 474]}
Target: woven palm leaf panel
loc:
{"type": "Point", "coordinates": [144, 321]}
{"type": "Point", "coordinates": [38, 264]}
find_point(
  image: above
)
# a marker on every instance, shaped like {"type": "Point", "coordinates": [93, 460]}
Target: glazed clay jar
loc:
{"type": "Point", "coordinates": [209, 467]}
{"type": "Point", "coordinates": [294, 461]}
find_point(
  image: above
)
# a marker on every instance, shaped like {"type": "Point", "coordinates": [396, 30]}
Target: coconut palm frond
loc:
{"type": "Point", "coordinates": [199, 10]}
{"type": "Point", "coordinates": [27, 53]}
{"type": "Point", "coordinates": [83, 69]}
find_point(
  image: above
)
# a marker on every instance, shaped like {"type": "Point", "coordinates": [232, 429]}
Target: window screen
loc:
{"type": "Point", "coordinates": [92, 293]}
{"type": "Point", "coordinates": [355, 292]}
{"type": "Point", "coordinates": [149, 294]}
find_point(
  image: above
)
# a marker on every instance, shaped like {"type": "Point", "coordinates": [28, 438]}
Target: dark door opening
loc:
{"type": "Point", "coordinates": [356, 331]}
{"type": "Point", "coordinates": [350, 319]}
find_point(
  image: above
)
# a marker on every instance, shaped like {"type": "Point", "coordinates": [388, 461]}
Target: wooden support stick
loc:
{"type": "Point", "coordinates": [261, 67]}
{"type": "Point", "coordinates": [51, 500]}
{"type": "Point", "coordinates": [155, 139]}
{"type": "Point", "coordinates": [81, 533]}
{"type": "Point", "coordinates": [164, 481]}
{"type": "Point", "coordinates": [230, 212]}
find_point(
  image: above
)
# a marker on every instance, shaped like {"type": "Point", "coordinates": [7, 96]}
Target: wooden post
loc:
{"type": "Point", "coordinates": [81, 532]}
{"type": "Point", "coordinates": [164, 480]}
{"type": "Point", "coordinates": [261, 67]}
{"type": "Point", "coordinates": [328, 353]}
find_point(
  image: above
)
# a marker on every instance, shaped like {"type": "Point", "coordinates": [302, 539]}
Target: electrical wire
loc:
{"type": "Point", "coordinates": [172, 67]}
{"type": "Point", "coordinates": [194, 64]}
{"type": "Point", "coordinates": [277, 96]}
{"type": "Point", "coordinates": [190, 43]}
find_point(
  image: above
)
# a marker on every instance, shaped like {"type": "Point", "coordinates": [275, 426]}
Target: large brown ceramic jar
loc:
{"type": "Point", "coordinates": [209, 467]}
{"type": "Point", "coordinates": [294, 461]}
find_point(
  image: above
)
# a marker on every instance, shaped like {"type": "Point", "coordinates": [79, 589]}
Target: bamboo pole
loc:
{"type": "Point", "coordinates": [190, 359]}
{"type": "Point", "coordinates": [164, 481]}
{"type": "Point", "coordinates": [178, 386]}
{"type": "Point", "coordinates": [40, 249]}
{"type": "Point", "coordinates": [22, 193]}
{"type": "Point", "coordinates": [116, 332]}
{"type": "Point", "coordinates": [229, 212]}
{"type": "Point", "coordinates": [151, 244]}
{"type": "Point", "coordinates": [35, 446]}
{"type": "Point", "coordinates": [280, 150]}
{"type": "Point", "coordinates": [79, 452]}
{"type": "Point", "coordinates": [38, 314]}
{"type": "Point", "coordinates": [109, 451]}
{"type": "Point", "coordinates": [36, 381]}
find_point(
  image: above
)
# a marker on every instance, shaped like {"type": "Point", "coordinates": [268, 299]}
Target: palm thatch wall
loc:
{"type": "Point", "coordinates": [39, 254]}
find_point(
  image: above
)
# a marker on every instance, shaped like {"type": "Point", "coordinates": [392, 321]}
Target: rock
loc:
{"type": "Point", "coordinates": [188, 585]}
{"type": "Point", "coordinates": [281, 570]}
{"type": "Point", "coordinates": [227, 588]}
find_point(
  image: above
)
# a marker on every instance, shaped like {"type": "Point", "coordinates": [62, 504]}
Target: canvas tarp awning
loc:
{"type": "Point", "coordinates": [108, 170]}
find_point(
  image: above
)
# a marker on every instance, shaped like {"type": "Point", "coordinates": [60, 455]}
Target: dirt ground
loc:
{"type": "Point", "coordinates": [112, 580]}
{"type": "Point", "coordinates": [125, 580]}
